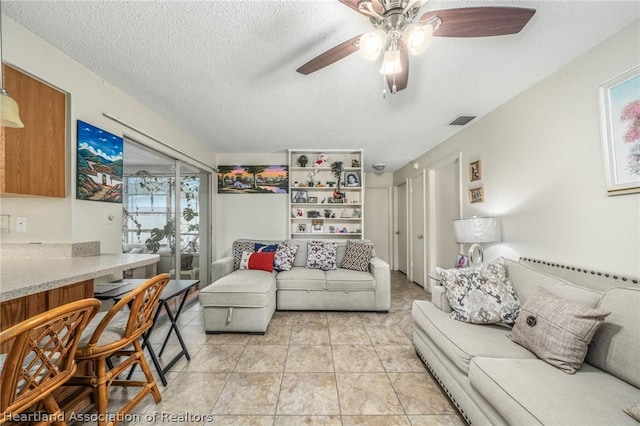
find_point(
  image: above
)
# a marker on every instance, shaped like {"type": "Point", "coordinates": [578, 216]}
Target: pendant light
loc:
{"type": "Point", "coordinates": [9, 114]}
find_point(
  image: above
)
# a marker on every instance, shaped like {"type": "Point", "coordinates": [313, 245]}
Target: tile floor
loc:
{"type": "Point", "coordinates": [310, 368]}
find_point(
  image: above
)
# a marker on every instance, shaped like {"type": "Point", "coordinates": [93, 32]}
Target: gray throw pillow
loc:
{"type": "Point", "coordinates": [357, 256]}
{"type": "Point", "coordinates": [556, 330]}
{"type": "Point", "coordinates": [481, 295]}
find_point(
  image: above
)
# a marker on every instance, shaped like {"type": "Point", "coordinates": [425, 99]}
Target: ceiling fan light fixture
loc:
{"type": "Point", "coordinates": [391, 64]}
{"type": "Point", "coordinates": [371, 44]}
{"type": "Point", "coordinates": [417, 37]}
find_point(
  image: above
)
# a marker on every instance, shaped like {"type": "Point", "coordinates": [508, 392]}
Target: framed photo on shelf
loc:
{"type": "Point", "coordinates": [475, 171]}
{"type": "Point", "coordinates": [298, 196]}
{"type": "Point", "coordinates": [351, 179]}
{"type": "Point", "coordinates": [476, 195]}
{"type": "Point", "coordinates": [462, 261]}
{"type": "Point", "coordinates": [619, 122]}
{"type": "Point", "coordinates": [317, 225]}
{"type": "Point", "coordinates": [345, 213]}
{"type": "Point", "coordinates": [312, 200]}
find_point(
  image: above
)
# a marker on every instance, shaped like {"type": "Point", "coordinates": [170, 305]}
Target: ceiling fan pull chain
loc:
{"type": "Point", "coordinates": [384, 87]}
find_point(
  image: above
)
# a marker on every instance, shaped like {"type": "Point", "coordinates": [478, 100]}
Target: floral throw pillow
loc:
{"type": "Point", "coordinates": [322, 255]}
{"type": "Point", "coordinates": [481, 295]}
{"type": "Point", "coordinates": [357, 256]}
{"type": "Point", "coordinates": [285, 256]}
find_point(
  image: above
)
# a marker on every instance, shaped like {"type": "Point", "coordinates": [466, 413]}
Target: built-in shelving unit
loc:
{"type": "Point", "coordinates": [317, 209]}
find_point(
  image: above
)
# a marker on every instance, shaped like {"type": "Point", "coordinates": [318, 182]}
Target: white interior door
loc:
{"type": "Point", "coordinates": [417, 232]}
{"type": "Point", "coordinates": [402, 229]}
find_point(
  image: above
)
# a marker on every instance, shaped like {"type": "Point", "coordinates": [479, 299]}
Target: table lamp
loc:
{"type": "Point", "coordinates": [476, 230]}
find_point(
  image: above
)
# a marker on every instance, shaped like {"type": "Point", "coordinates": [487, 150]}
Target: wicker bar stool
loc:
{"type": "Point", "coordinates": [40, 359]}
{"type": "Point", "coordinates": [114, 336]}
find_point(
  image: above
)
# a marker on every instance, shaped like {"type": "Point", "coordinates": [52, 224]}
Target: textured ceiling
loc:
{"type": "Point", "coordinates": [224, 71]}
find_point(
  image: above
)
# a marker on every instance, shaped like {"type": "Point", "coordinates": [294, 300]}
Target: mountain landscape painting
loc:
{"type": "Point", "coordinates": [99, 159]}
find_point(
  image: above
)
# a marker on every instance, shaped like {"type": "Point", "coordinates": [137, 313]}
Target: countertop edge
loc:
{"type": "Point", "coordinates": [120, 263]}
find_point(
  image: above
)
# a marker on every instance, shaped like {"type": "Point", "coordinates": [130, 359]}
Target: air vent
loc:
{"type": "Point", "coordinates": [461, 120]}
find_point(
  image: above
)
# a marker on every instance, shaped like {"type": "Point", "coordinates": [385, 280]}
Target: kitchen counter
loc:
{"type": "Point", "coordinates": [24, 276]}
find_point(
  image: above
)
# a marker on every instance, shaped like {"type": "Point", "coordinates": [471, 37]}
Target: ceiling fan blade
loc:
{"type": "Point", "coordinates": [400, 79]}
{"type": "Point", "coordinates": [332, 55]}
{"type": "Point", "coordinates": [353, 4]}
{"type": "Point", "coordinates": [479, 21]}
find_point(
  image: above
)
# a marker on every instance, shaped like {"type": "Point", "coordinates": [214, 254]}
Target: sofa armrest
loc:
{"type": "Point", "coordinates": [439, 298]}
{"type": "Point", "coordinates": [221, 267]}
{"type": "Point", "coordinates": [380, 271]}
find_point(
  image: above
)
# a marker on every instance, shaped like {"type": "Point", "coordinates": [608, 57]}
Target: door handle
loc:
{"type": "Point", "coordinates": [420, 236]}
{"type": "Point", "coordinates": [397, 232]}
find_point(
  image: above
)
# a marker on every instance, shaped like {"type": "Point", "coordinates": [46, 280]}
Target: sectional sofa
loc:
{"type": "Point", "coordinates": [243, 300]}
{"type": "Point", "coordinates": [495, 381]}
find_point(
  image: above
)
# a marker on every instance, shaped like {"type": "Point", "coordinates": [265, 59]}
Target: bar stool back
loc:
{"type": "Point", "coordinates": [115, 336]}
{"type": "Point", "coordinates": [40, 359]}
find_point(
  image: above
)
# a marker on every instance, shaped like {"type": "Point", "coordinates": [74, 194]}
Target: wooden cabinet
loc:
{"type": "Point", "coordinates": [316, 208]}
{"type": "Point", "coordinates": [32, 159]}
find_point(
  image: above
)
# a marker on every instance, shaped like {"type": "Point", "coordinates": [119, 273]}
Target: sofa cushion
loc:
{"type": "Point", "coordinates": [345, 279]}
{"type": "Point", "coordinates": [357, 256]}
{"type": "Point", "coordinates": [300, 278]}
{"type": "Point", "coordinates": [460, 341]}
{"type": "Point", "coordinates": [529, 391]}
{"type": "Point", "coordinates": [615, 348]}
{"type": "Point", "coordinates": [242, 288]}
{"type": "Point", "coordinates": [526, 280]}
{"type": "Point", "coordinates": [259, 247]}
{"type": "Point", "coordinates": [321, 255]}
{"type": "Point", "coordinates": [556, 330]}
{"type": "Point", "coordinates": [481, 295]}
{"type": "Point", "coordinates": [285, 256]}
{"type": "Point", "coordinates": [301, 258]}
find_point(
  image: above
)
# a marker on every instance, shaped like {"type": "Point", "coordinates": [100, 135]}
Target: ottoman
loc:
{"type": "Point", "coordinates": [243, 301]}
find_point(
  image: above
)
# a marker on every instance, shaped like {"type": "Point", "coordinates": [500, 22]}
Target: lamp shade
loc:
{"type": "Point", "coordinates": [477, 230]}
{"type": "Point", "coordinates": [9, 115]}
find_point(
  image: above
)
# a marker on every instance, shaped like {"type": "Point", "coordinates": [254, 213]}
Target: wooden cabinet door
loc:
{"type": "Point", "coordinates": [34, 156]}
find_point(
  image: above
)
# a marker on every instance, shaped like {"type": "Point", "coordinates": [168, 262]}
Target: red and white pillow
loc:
{"type": "Point", "coordinates": [262, 261]}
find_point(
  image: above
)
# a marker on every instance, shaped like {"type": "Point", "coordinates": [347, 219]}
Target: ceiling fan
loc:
{"type": "Point", "coordinates": [396, 35]}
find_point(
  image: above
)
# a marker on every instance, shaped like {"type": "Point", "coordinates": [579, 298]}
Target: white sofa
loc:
{"type": "Point", "coordinates": [244, 300]}
{"type": "Point", "coordinates": [494, 381]}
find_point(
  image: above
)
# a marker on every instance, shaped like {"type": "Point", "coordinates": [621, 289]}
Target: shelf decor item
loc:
{"type": "Point", "coordinates": [620, 124]}
{"type": "Point", "coordinates": [303, 160]}
{"type": "Point", "coordinates": [336, 170]}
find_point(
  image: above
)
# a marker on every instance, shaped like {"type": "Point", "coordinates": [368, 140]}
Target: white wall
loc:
{"type": "Point", "coordinates": [68, 219]}
{"type": "Point", "coordinates": [260, 216]}
{"type": "Point", "coordinates": [543, 172]}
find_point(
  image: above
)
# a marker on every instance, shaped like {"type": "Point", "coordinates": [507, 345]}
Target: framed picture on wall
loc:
{"type": "Point", "coordinates": [620, 128]}
{"type": "Point", "coordinates": [352, 179]}
{"type": "Point", "coordinates": [99, 164]}
{"type": "Point", "coordinates": [475, 171]}
{"type": "Point", "coordinates": [476, 195]}
{"type": "Point", "coordinates": [462, 261]}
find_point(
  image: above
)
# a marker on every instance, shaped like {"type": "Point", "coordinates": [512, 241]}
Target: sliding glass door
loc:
{"type": "Point", "coordinates": [166, 211]}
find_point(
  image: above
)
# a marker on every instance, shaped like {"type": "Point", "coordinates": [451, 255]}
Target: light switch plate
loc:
{"type": "Point", "coordinates": [21, 224]}
{"type": "Point", "coordinates": [5, 224]}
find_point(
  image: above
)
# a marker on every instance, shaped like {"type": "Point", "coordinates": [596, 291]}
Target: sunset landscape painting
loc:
{"type": "Point", "coordinates": [253, 179]}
